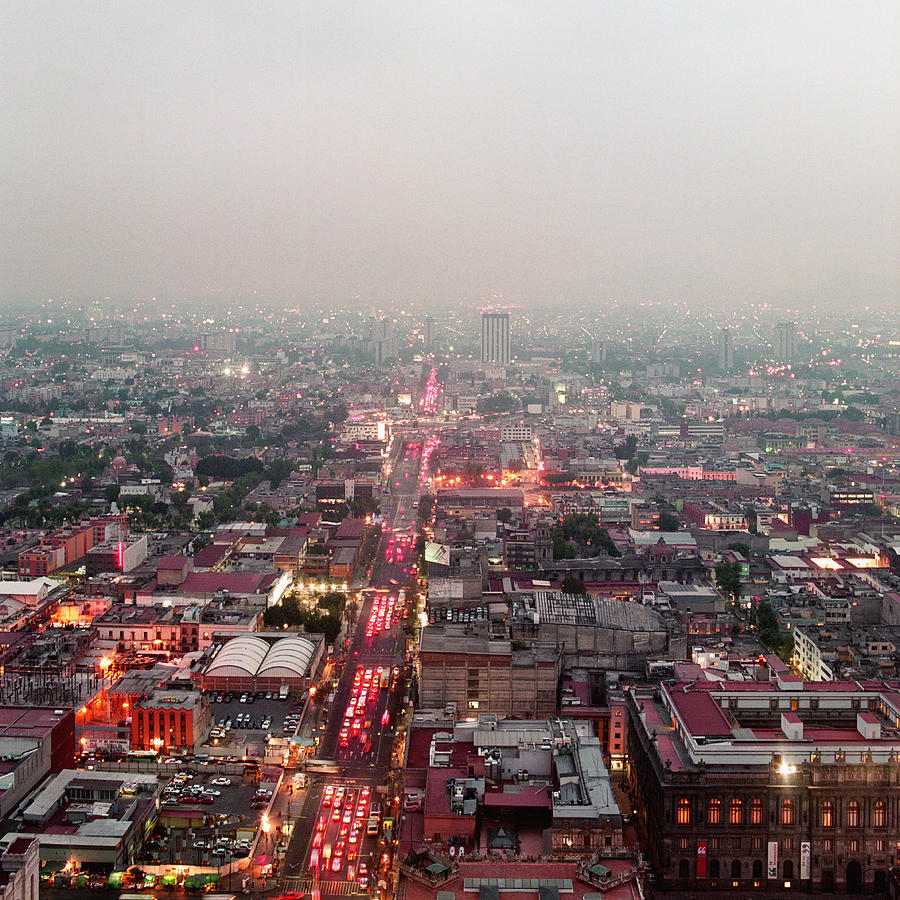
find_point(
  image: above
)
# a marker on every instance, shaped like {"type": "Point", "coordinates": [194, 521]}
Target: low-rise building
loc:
{"type": "Point", "coordinates": [170, 720]}
{"type": "Point", "coordinates": [90, 818]}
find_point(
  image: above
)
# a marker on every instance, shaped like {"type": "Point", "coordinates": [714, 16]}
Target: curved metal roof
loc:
{"type": "Point", "coordinates": [291, 655]}
{"type": "Point", "coordinates": [244, 654]}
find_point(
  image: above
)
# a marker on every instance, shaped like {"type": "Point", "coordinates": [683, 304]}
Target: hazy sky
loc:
{"type": "Point", "coordinates": [545, 152]}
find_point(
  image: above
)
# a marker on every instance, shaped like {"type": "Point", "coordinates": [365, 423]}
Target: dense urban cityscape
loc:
{"type": "Point", "coordinates": [407, 604]}
{"type": "Point", "coordinates": [450, 451]}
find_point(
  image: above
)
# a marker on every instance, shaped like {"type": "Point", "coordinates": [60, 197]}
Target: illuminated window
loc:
{"type": "Point", "coordinates": [880, 845]}
{"type": "Point", "coordinates": [853, 845]}
{"type": "Point", "coordinates": [714, 811]}
{"type": "Point", "coordinates": [787, 812]}
{"type": "Point", "coordinates": [853, 814]}
{"type": "Point", "coordinates": [828, 814]}
{"type": "Point", "coordinates": [735, 811]}
{"type": "Point", "coordinates": [684, 811]}
{"type": "Point", "coordinates": [756, 811]}
{"type": "Point", "coordinates": [878, 814]}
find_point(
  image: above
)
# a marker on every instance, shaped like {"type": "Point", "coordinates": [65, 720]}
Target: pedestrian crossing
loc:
{"type": "Point", "coordinates": [322, 887]}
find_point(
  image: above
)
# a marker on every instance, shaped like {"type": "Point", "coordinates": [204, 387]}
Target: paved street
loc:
{"type": "Point", "coordinates": [333, 847]}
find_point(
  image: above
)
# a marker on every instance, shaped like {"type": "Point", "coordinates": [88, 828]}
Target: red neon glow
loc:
{"type": "Point", "coordinates": [120, 556]}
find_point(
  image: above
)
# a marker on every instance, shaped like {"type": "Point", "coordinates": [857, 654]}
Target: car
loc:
{"type": "Point", "coordinates": [221, 781]}
{"type": "Point", "coordinates": [314, 858]}
{"type": "Point", "coordinates": [336, 815]}
{"type": "Point", "coordinates": [200, 845]}
{"type": "Point", "coordinates": [328, 795]}
{"type": "Point", "coordinates": [336, 863]}
{"type": "Point", "coordinates": [317, 839]}
{"type": "Point", "coordinates": [348, 816]}
{"type": "Point", "coordinates": [322, 824]}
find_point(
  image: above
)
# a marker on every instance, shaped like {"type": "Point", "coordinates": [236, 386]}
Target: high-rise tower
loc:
{"type": "Point", "coordinates": [726, 351]}
{"type": "Point", "coordinates": [784, 341]}
{"type": "Point", "coordinates": [495, 338]}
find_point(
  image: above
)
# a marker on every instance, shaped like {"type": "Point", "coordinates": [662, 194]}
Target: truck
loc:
{"type": "Point", "coordinates": [283, 693]}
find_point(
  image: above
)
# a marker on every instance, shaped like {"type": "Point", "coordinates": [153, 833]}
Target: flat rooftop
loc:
{"type": "Point", "coordinates": [731, 724]}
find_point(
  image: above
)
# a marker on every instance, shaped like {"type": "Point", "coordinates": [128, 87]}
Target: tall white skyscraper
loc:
{"type": "Point", "coordinates": [495, 338]}
{"type": "Point", "coordinates": [784, 341]}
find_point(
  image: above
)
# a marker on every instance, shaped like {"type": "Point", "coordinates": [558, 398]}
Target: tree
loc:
{"type": "Point", "coordinates": [628, 449]}
{"type": "Point", "coordinates": [573, 585]}
{"type": "Point", "coordinates": [728, 578]}
{"type": "Point", "coordinates": [227, 466]}
{"type": "Point", "coordinates": [503, 515]}
{"type": "Point", "coordinates": [562, 549]}
{"type": "Point", "coordinates": [426, 507]}
{"type": "Point", "coordinates": [668, 522]}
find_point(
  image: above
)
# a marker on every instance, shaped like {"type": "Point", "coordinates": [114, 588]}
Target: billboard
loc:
{"type": "Point", "coordinates": [773, 859]}
{"type": "Point", "coordinates": [437, 553]}
{"type": "Point", "coordinates": [701, 859]}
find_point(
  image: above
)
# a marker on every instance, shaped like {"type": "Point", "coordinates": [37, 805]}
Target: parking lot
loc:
{"type": "Point", "coordinates": [248, 724]}
{"type": "Point", "coordinates": [209, 818]}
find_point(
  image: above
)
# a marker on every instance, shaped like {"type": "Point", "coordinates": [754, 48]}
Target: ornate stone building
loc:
{"type": "Point", "coordinates": [783, 785]}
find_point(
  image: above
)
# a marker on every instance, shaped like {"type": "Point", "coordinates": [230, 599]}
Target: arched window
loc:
{"type": "Point", "coordinates": [788, 869]}
{"type": "Point", "coordinates": [735, 811]}
{"type": "Point", "coordinates": [828, 814]}
{"type": "Point", "coordinates": [714, 869]}
{"type": "Point", "coordinates": [787, 811]}
{"type": "Point", "coordinates": [756, 811]}
{"type": "Point", "coordinates": [714, 811]}
{"type": "Point", "coordinates": [853, 814]}
{"type": "Point", "coordinates": [757, 869]}
{"type": "Point", "coordinates": [684, 811]}
{"type": "Point", "coordinates": [878, 814]}
{"type": "Point", "coordinates": [684, 869]}
{"type": "Point", "coordinates": [735, 869]}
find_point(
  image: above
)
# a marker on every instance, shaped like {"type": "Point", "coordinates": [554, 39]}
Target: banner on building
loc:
{"type": "Point", "coordinates": [701, 859]}
{"type": "Point", "coordinates": [773, 859]}
{"type": "Point", "coordinates": [437, 553]}
{"type": "Point", "coordinates": [805, 851]}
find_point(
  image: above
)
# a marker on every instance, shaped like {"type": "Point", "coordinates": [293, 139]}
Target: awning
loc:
{"type": "Point", "coordinates": [168, 879]}
{"type": "Point", "coordinates": [53, 865]}
{"type": "Point", "coordinates": [115, 879]}
{"type": "Point", "coordinates": [599, 871]}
